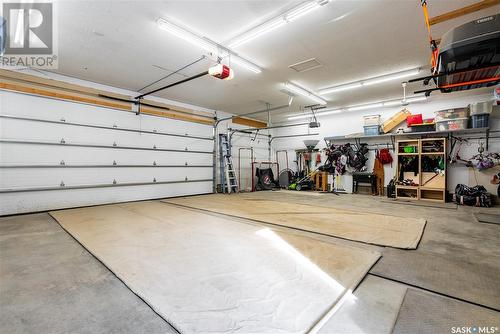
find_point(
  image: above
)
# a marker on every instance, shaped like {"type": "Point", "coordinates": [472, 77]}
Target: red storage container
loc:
{"type": "Point", "coordinates": [414, 119]}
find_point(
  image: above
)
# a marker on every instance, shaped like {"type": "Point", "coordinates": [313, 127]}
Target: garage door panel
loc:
{"type": "Point", "coordinates": [52, 109]}
{"type": "Point", "coordinates": [52, 177]}
{"type": "Point", "coordinates": [52, 133]}
{"type": "Point", "coordinates": [21, 160]}
{"type": "Point", "coordinates": [44, 200]}
{"type": "Point", "coordinates": [34, 154]}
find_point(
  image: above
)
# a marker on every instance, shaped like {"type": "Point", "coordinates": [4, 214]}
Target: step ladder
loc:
{"type": "Point", "coordinates": [228, 175]}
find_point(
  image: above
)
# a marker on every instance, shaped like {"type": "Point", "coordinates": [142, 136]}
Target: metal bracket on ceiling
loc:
{"type": "Point", "coordinates": [136, 106]}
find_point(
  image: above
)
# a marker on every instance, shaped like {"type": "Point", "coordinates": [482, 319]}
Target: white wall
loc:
{"type": "Point", "coordinates": [352, 122]}
{"type": "Point", "coordinates": [244, 141]}
{"type": "Point", "coordinates": [17, 104]}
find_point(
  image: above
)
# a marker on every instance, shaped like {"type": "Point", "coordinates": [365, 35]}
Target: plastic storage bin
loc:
{"type": "Point", "coordinates": [480, 121]}
{"type": "Point", "coordinates": [452, 124]}
{"type": "Point", "coordinates": [371, 120]}
{"type": "Point", "coordinates": [481, 108]}
{"type": "Point", "coordinates": [372, 130]}
{"type": "Point", "coordinates": [414, 119]}
{"type": "Point", "coordinates": [443, 115]}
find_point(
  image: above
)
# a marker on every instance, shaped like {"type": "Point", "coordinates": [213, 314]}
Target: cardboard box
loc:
{"type": "Point", "coordinates": [395, 120]}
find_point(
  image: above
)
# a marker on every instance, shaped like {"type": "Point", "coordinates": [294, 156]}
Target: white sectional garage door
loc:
{"type": "Point", "coordinates": [57, 154]}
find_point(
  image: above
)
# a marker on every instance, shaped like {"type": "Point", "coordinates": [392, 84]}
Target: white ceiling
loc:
{"type": "Point", "coordinates": [118, 43]}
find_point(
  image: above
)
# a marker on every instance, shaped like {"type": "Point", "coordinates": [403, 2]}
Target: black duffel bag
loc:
{"type": "Point", "coordinates": [472, 196]}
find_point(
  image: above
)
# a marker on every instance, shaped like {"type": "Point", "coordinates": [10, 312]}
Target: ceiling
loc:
{"type": "Point", "coordinates": [118, 43]}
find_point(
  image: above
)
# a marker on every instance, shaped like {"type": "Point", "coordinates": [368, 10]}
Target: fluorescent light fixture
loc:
{"type": "Point", "coordinates": [244, 63]}
{"type": "Point", "coordinates": [205, 44]}
{"type": "Point", "coordinates": [340, 88]}
{"type": "Point", "coordinates": [276, 22]}
{"type": "Point", "coordinates": [291, 118]}
{"type": "Point", "coordinates": [371, 81]}
{"type": "Point", "coordinates": [392, 103]}
{"type": "Point", "coordinates": [187, 35]}
{"type": "Point", "coordinates": [330, 112]}
{"type": "Point", "coordinates": [317, 114]}
{"type": "Point", "coordinates": [258, 31]}
{"type": "Point", "coordinates": [366, 106]}
{"type": "Point", "coordinates": [301, 10]}
{"type": "Point", "coordinates": [388, 103]}
{"type": "Point", "coordinates": [390, 77]}
{"type": "Point", "coordinates": [416, 98]}
{"type": "Point", "coordinates": [304, 92]}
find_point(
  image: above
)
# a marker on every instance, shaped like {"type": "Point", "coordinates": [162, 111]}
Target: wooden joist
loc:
{"type": "Point", "coordinates": [249, 122]}
{"type": "Point", "coordinates": [463, 11]}
{"type": "Point", "coordinates": [52, 93]}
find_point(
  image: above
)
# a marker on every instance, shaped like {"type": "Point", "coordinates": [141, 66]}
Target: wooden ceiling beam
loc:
{"type": "Point", "coordinates": [463, 11]}
{"type": "Point", "coordinates": [249, 122]}
{"type": "Point", "coordinates": [26, 83]}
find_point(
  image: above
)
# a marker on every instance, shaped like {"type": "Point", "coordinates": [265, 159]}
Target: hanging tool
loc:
{"type": "Point", "coordinates": [432, 42]}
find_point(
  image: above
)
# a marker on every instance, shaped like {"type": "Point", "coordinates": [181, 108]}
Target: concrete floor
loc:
{"type": "Point", "coordinates": [49, 283]}
{"type": "Point", "coordinates": [457, 256]}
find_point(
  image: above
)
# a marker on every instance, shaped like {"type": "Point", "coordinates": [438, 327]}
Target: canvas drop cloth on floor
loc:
{"type": "Point", "coordinates": [378, 229]}
{"type": "Point", "coordinates": [487, 218]}
{"type": "Point", "coordinates": [209, 274]}
{"type": "Point", "coordinates": [372, 309]}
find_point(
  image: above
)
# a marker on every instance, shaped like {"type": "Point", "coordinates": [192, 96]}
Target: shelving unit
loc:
{"type": "Point", "coordinates": [429, 185]}
{"type": "Point", "coordinates": [393, 136]}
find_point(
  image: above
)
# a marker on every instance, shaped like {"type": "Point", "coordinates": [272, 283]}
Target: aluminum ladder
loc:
{"type": "Point", "coordinates": [228, 175]}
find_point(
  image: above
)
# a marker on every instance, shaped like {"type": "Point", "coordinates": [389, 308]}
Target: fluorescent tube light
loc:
{"type": "Point", "coordinates": [416, 98]}
{"type": "Point", "coordinates": [187, 35]}
{"type": "Point", "coordinates": [301, 91]}
{"type": "Point", "coordinates": [317, 114]}
{"type": "Point", "coordinates": [392, 103]}
{"type": "Point", "coordinates": [301, 10]}
{"type": "Point", "coordinates": [206, 44]}
{"type": "Point", "coordinates": [371, 81]}
{"type": "Point", "coordinates": [329, 112]}
{"type": "Point", "coordinates": [244, 63]}
{"type": "Point", "coordinates": [276, 22]}
{"type": "Point", "coordinates": [258, 31]}
{"type": "Point", "coordinates": [366, 106]}
{"type": "Point", "coordinates": [391, 77]}
{"type": "Point", "coordinates": [291, 118]}
{"type": "Point", "coordinates": [388, 103]}
{"type": "Point", "coordinates": [340, 88]}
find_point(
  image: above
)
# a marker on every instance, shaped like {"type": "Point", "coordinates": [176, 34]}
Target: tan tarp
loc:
{"type": "Point", "coordinates": [209, 274]}
{"type": "Point", "coordinates": [383, 230]}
